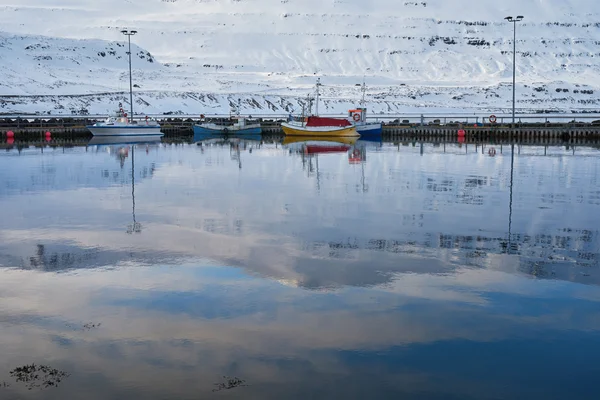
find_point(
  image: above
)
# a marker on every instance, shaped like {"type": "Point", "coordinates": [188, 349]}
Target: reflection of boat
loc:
{"type": "Point", "coordinates": [204, 137]}
{"type": "Point", "coordinates": [236, 143]}
{"type": "Point", "coordinates": [114, 140]}
{"type": "Point", "coordinates": [319, 144]}
{"type": "Point", "coordinates": [318, 126]}
{"type": "Point", "coordinates": [349, 140]}
{"type": "Point", "coordinates": [119, 124]}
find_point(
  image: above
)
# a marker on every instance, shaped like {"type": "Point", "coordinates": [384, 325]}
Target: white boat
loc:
{"type": "Point", "coordinates": [120, 124]}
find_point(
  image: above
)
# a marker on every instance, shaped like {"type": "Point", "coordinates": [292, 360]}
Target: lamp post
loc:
{"type": "Point", "coordinates": [518, 18]}
{"type": "Point", "coordinates": [129, 34]}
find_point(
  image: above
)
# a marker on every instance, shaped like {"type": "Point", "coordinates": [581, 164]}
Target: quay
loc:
{"type": "Point", "coordinates": [544, 130]}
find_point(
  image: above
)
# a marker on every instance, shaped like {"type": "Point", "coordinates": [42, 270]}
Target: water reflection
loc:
{"type": "Point", "coordinates": [406, 271]}
{"type": "Point", "coordinates": [236, 143]}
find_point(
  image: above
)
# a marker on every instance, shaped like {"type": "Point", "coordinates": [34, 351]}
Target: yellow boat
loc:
{"type": "Point", "coordinates": [319, 126]}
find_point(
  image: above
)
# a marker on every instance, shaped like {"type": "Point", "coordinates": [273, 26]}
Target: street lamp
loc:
{"type": "Point", "coordinates": [518, 18]}
{"type": "Point", "coordinates": [129, 34]}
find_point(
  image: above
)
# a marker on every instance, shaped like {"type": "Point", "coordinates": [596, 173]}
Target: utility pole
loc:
{"type": "Point", "coordinates": [514, 21]}
{"type": "Point", "coordinates": [129, 34]}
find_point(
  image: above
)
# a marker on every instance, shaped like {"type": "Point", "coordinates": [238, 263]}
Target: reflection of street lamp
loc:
{"type": "Point", "coordinates": [129, 34]}
{"type": "Point", "coordinates": [510, 202]}
{"type": "Point", "coordinates": [514, 21]}
{"type": "Point", "coordinates": [136, 226]}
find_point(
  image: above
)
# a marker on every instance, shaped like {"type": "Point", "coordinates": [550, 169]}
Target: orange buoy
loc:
{"type": "Point", "coordinates": [10, 134]}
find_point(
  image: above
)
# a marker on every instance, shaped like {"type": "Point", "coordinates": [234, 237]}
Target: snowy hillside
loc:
{"type": "Point", "coordinates": [200, 55]}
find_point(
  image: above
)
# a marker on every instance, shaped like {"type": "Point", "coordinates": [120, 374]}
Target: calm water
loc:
{"type": "Point", "coordinates": [258, 272]}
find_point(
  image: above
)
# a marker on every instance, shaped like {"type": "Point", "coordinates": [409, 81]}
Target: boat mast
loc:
{"type": "Point", "coordinates": [129, 34]}
{"type": "Point", "coordinates": [364, 90]}
{"type": "Point", "coordinates": [317, 99]}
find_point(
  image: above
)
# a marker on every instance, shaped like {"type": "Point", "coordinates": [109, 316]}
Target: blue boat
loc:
{"type": "Point", "coordinates": [358, 117]}
{"type": "Point", "coordinates": [234, 125]}
{"type": "Point", "coordinates": [237, 128]}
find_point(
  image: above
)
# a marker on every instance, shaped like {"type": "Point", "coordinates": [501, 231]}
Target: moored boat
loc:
{"type": "Point", "coordinates": [235, 126]}
{"type": "Point", "coordinates": [120, 124]}
{"type": "Point", "coordinates": [358, 117]}
{"type": "Point", "coordinates": [364, 128]}
{"type": "Point", "coordinates": [319, 126]}
{"type": "Point", "coordinates": [315, 125]}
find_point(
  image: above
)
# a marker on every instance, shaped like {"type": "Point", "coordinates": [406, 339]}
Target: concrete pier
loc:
{"type": "Point", "coordinates": [436, 133]}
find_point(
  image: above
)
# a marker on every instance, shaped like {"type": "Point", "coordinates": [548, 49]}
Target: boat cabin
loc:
{"type": "Point", "coordinates": [358, 115]}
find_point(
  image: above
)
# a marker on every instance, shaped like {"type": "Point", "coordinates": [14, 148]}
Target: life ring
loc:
{"type": "Point", "coordinates": [492, 152]}
{"type": "Point", "coordinates": [493, 119]}
{"type": "Point", "coordinates": [356, 117]}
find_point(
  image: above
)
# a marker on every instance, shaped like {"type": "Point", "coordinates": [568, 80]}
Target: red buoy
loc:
{"type": "Point", "coordinates": [48, 134]}
{"type": "Point", "coordinates": [10, 134]}
{"type": "Point", "coordinates": [10, 140]}
{"type": "Point", "coordinates": [461, 132]}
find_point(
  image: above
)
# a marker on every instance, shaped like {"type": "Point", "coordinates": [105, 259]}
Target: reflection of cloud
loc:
{"type": "Point", "coordinates": [193, 324]}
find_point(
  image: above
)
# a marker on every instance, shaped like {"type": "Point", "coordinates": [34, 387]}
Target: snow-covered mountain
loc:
{"type": "Point", "coordinates": [198, 56]}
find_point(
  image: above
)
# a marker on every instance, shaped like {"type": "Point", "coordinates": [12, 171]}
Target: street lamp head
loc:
{"type": "Point", "coordinates": [134, 32]}
{"type": "Point", "coordinates": [509, 18]}
{"type": "Point", "coordinates": [129, 33]}
{"type": "Point", "coordinates": [520, 17]}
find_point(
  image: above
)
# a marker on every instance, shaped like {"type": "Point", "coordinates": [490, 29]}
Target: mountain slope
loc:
{"type": "Point", "coordinates": [434, 54]}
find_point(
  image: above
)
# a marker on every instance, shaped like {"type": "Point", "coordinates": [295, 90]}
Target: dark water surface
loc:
{"type": "Point", "coordinates": [421, 272]}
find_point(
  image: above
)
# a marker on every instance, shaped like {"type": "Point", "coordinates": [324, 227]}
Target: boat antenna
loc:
{"type": "Point", "coordinates": [129, 34]}
{"type": "Point", "coordinates": [317, 99]}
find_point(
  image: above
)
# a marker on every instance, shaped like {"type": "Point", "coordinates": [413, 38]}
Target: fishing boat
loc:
{"type": "Point", "coordinates": [235, 125]}
{"type": "Point", "coordinates": [358, 116]}
{"type": "Point", "coordinates": [315, 125]}
{"type": "Point", "coordinates": [122, 125]}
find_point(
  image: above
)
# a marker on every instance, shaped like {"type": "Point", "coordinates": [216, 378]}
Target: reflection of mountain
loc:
{"type": "Point", "coordinates": [67, 169]}
{"type": "Point", "coordinates": [60, 257]}
{"type": "Point", "coordinates": [420, 214]}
